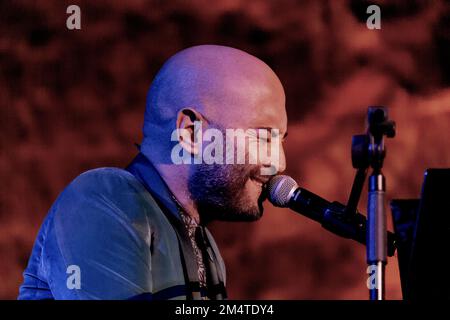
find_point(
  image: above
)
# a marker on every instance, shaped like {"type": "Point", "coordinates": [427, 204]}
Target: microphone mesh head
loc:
{"type": "Point", "coordinates": [280, 190]}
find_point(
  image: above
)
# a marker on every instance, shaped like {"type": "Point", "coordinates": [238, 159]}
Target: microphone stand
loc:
{"type": "Point", "coordinates": [369, 151]}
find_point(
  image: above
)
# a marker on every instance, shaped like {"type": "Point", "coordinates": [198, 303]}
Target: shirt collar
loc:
{"type": "Point", "coordinates": [146, 173]}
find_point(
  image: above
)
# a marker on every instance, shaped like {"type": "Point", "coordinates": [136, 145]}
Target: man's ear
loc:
{"type": "Point", "coordinates": [189, 127]}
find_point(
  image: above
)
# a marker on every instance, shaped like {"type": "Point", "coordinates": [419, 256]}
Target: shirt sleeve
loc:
{"type": "Point", "coordinates": [98, 244]}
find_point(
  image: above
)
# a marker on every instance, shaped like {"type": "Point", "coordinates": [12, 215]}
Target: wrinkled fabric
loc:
{"type": "Point", "coordinates": [144, 171]}
{"type": "Point", "coordinates": [109, 225]}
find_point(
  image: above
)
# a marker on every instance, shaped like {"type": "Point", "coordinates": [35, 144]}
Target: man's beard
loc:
{"type": "Point", "coordinates": [220, 192]}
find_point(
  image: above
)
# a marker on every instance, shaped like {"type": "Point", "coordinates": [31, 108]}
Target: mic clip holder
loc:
{"type": "Point", "coordinates": [369, 149]}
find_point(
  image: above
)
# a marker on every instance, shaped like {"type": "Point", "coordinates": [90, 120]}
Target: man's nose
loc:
{"type": "Point", "coordinates": [275, 164]}
{"type": "Point", "coordinates": [282, 161]}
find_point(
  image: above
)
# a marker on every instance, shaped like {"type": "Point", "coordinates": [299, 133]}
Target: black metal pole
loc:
{"type": "Point", "coordinates": [376, 234]}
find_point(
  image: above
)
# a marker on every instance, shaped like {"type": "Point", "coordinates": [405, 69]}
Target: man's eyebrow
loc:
{"type": "Point", "coordinates": [269, 128]}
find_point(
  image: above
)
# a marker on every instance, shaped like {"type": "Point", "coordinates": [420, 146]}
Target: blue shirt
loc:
{"type": "Point", "coordinates": [117, 234]}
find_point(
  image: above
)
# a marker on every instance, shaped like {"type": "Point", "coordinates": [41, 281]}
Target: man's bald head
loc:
{"type": "Point", "coordinates": [226, 85]}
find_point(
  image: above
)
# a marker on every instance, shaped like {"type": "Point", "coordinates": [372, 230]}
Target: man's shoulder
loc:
{"type": "Point", "coordinates": [108, 189]}
{"type": "Point", "coordinates": [104, 178]}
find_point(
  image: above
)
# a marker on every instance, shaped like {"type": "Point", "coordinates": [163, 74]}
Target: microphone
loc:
{"type": "Point", "coordinates": [283, 191]}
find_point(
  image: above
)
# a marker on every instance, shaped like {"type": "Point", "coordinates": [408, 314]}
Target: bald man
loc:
{"type": "Point", "coordinates": [139, 232]}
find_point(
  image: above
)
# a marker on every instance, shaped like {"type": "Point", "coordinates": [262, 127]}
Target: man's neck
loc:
{"type": "Point", "coordinates": [176, 178]}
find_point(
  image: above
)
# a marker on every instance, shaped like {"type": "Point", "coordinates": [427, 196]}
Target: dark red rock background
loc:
{"type": "Point", "coordinates": [74, 100]}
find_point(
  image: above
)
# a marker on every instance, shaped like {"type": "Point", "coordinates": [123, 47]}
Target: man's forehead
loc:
{"type": "Point", "coordinates": [262, 107]}
{"type": "Point", "coordinates": [270, 117]}
{"type": "Point", "coordinates": [275, 118]}
{"type": "Point", "coordinates": [247, 99]}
